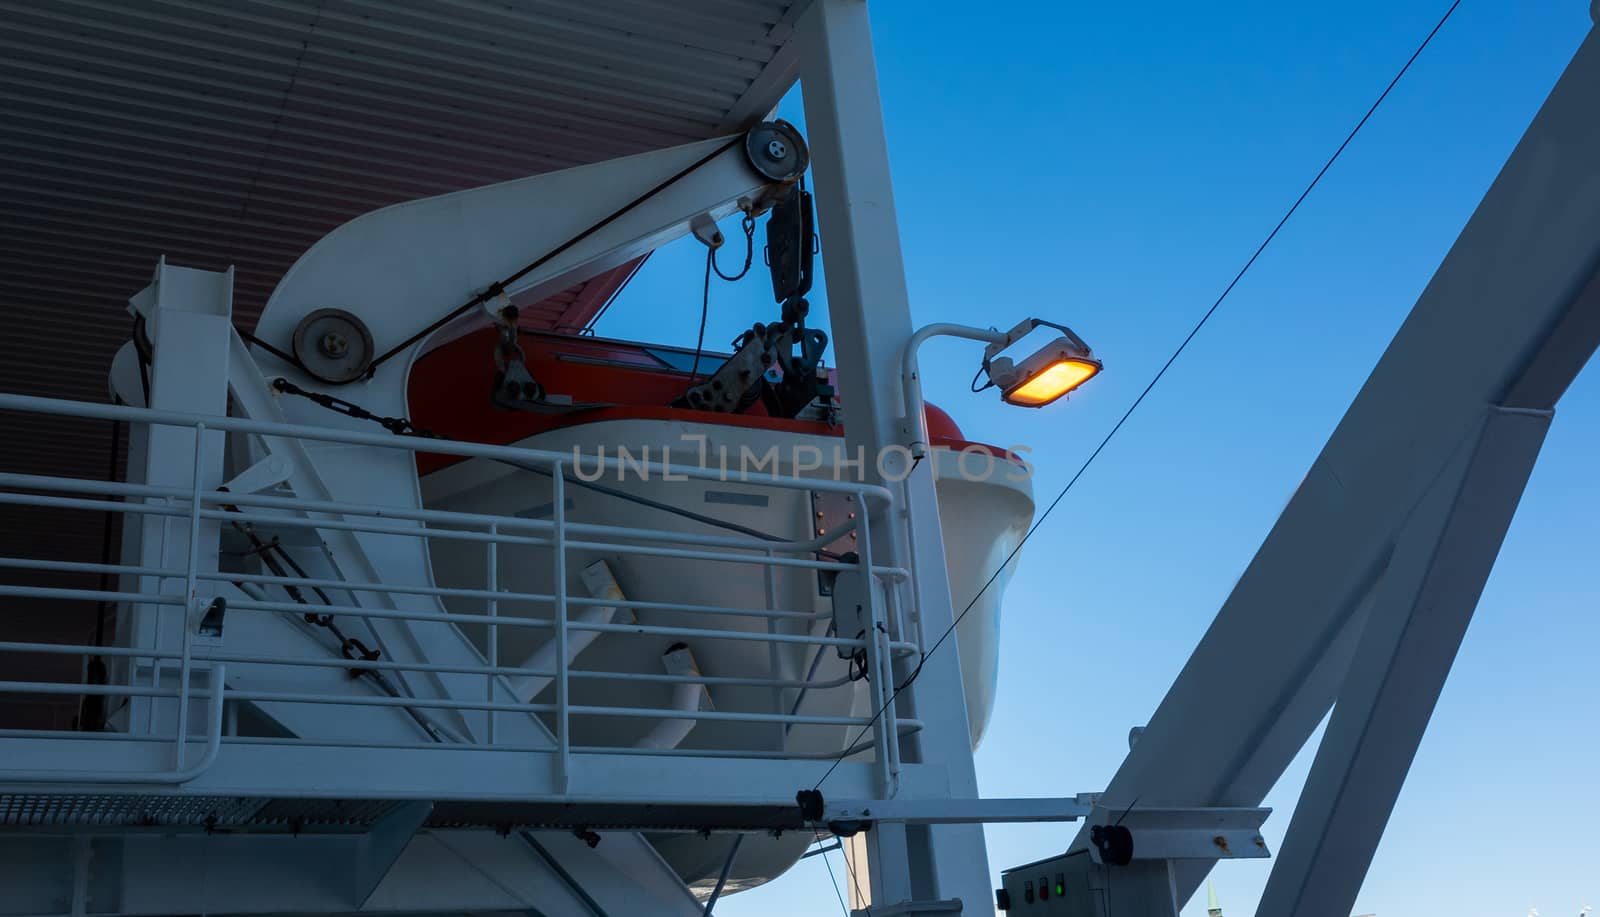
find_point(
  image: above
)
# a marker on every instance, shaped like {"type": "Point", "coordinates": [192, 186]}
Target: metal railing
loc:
{"type": "Point", "coordinates": [149, 665]}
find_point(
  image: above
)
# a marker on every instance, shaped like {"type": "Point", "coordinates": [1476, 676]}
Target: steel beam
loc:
{"type": "Point", "coordinates": [1423, 607]}
{"type": "Point", "coordinates": [378, 849]}
{"type": "Point", "coordinates": [871, 316]}
{"type": "Point", "coordinates": [1508, 319]}
{"type": "Point", "coordinates": [413, 640]}
{"type": "Point", "coordinates": [156, 872]}
{"type": "Point", "coordinates": [1508, 316]}
{"type": "Point", "coordinates": [187, 314]}
{"type": "Point", "coordinates": [609, 875]}
{"type": "Point", "coordinates": [750, 793]}
{"type": "Point", "coordinates": [1225, 833]}
{"type": "Point", "coordinates": [958, 811]}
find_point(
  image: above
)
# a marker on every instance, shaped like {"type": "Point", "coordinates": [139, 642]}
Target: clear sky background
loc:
{"type": "Point", "coordinates": [1111, 166]}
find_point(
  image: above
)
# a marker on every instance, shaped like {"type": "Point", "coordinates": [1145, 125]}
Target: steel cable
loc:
{"type": "Point", "coordinates": [1153, 381]}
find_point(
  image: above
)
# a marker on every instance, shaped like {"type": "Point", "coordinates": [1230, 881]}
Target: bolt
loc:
{"type": "Point", "coordinates": [777, 149]}
{"type": "Point", "coordinates": [333, 344]}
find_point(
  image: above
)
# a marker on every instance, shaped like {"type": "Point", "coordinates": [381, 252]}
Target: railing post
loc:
{"type": "Point", "coordinates": [879, 665]}
{"type": "Point", "coordinates": [159, 618]}
{"type": "Point", "coordinates": [190, 598]}
{"type": "Point", "coordinates": [558, 515]}
{"type": "Point", "coordinates": [492, 585]}
{"type": "Point", "coordinates": [772, 650]}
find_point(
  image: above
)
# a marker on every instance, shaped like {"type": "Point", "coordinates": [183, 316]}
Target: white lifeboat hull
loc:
{"type": "Point", "coordinates": [983, 519]}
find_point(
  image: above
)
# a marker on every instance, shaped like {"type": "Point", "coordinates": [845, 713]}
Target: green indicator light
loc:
{"type": "Point", "coordinates": [1060, 889]}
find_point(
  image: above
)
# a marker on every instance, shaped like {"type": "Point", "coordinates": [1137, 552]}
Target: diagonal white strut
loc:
{"type": "Point", "coordinates": [1508, 320]}
{"type": "Point", "coordinates": [1421, 610]}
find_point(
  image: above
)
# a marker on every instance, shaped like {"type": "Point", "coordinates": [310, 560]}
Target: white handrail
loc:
{"type": "Point", "coordinates": [35, 405]}
{"type": "Point", "coordinates": [557, 533]}
{"type": "Point", "coordinates": [213, 736]}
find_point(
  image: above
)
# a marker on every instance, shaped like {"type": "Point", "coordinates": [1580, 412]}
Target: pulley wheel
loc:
{"type": "Point", "coordinates": [777, 151]}
{"type": "Point", "coordinates": [333, 346]}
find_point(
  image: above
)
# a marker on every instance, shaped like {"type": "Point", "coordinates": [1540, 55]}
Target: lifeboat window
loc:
{"type": "Point", "coordinates": [731, 498]}
{"type": "Point", "coordinates": [683, 360]}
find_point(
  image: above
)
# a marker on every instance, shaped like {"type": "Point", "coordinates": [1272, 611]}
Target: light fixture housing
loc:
{"type": "Point", "coordinates": [1045, 376]}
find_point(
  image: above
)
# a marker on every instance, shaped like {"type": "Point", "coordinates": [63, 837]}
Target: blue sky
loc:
{"type": "Point", "coordinates": [1111, 166]}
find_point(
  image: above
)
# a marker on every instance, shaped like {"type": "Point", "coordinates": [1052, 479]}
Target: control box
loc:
{"type": "Point", "coordinates": [1073, 885]}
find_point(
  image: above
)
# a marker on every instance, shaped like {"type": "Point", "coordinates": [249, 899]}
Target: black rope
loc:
{"type": "Point", "coordinates": [288, 358]}
{"type": "Point", "coordinates": [142, 350]}
{"type": "Point", "coordinates": [277, 546]}
{"type": "Point", "coordinates": [1147, 389]}
{"type": "Point", "coordinates": [705, 310]}
{"type": "Point", "coordinates": [835, 880]}
{"type": "Point", "coordinates": [722, 879]}
{"type": "Point", "coordinates": [748, 224]}
{"type": "Point", "coordinates": [985, 386]}
{"type": "Point", "coordinates": [854, 883]}
{"type": "Point", "coordinates": [498, 287]}
{"type": "Point", "coordinates": [811, 676]}
{"type": "Point", "coordinates": [271, 552]}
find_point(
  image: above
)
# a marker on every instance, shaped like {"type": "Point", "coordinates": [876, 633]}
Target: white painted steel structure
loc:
{"type": "Point", "coordinates": [1364, 588]}
{"type": "Point", "coordinates": [235, 135]}
{"type": "Point", "coordinates": [443, 745]}
{"type": "Point", "coordinates": [385, 794]}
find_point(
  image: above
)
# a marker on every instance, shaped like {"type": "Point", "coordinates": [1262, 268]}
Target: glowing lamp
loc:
{"type": "Point", "coordinates": [1045, 376]}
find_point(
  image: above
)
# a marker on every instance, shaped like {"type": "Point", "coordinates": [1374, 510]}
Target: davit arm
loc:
{"type": "Point", "coordinates": [401, 269]}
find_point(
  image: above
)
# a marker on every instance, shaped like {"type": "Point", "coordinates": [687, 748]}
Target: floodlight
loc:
{"type": "Point", "coordinates": [1047, 374]}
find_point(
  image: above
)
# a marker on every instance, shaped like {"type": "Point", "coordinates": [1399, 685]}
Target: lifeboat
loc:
{"type": "Point", "coordinates": [545, 253]}
{"type": "Point", "coordinates": [985, 501]}
{"type": "Point", "coordinates": [984, 493]}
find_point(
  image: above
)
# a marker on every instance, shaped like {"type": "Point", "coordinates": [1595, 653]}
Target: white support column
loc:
{"type": "Point", "coordinates": [871, 316]}
{"type": "Point", "coordinates": [188, 317]}
{"type": "Point", "coordinates": [888, 867]}
{"type": "Point", "coordinates": [1421, 612]}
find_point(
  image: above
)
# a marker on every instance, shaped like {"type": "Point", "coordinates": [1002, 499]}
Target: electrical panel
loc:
{"type": "Point", "coordinates": [1073, 885]}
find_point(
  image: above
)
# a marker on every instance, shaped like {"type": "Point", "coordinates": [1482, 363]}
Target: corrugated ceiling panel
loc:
{"type": "Point", "coordinates": [240, 133]}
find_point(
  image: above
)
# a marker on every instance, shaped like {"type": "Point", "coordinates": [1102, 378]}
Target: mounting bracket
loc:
{"type": "Point", "coordinates": [1218, 833]}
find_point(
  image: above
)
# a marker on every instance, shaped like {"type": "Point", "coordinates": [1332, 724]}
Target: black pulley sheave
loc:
{"type": "Point", "coordinates": [777, 151]}
{"type": "Point", "coordinates": [1114, 842]}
